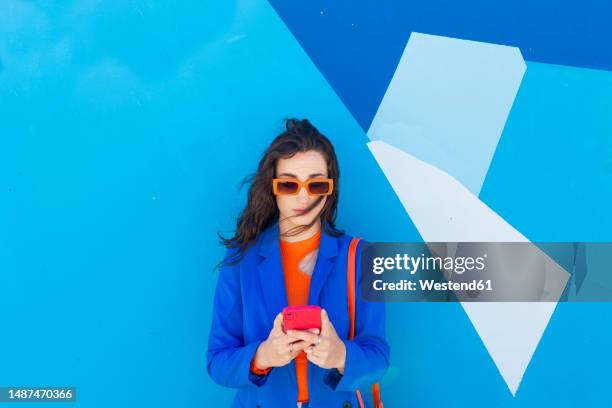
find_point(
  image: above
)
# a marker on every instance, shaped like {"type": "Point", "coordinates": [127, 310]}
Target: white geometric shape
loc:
{"type": "Point", "coordinates": [448, 102]}
{"type": "Point", "coordinates": [443, 210]}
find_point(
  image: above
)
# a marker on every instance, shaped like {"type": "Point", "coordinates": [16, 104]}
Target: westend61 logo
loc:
{"type": "Point", "coordinates": [412, 264]}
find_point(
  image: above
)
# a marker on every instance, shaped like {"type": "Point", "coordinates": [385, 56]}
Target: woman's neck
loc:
{"type": "Point", "coordinates": [284, 227]}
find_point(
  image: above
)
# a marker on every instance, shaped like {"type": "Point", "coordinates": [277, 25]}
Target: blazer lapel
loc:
{"type": "Point", "coordinates": [271, 272]}
{"type": "Point", "coordinates": [328, 250]}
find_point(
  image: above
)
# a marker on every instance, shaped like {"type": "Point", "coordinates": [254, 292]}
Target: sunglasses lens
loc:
{"type": "Point", "coordinates": [319, 187]}
{"type": "Point", "coordinates": [287, 187]}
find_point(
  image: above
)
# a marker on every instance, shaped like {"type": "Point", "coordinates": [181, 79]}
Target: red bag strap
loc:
{"type": "Point", "coordinates": [352, 252]}
{"type": "Point", "coordinates": [352, 255]}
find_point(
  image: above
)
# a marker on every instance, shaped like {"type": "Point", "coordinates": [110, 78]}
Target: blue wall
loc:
{"type": "Point", "coordinates": [126, 127]}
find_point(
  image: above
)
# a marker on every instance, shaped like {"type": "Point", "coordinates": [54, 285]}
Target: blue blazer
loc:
{"type": "Point", "coordinates": [248, 297]}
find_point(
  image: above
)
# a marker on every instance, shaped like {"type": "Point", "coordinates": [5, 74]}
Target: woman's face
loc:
{"type": "Point", "coordinates": [303, 165]}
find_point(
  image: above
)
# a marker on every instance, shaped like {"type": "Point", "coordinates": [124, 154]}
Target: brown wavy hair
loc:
{"type": "Point", "coordinates": [261, 210]}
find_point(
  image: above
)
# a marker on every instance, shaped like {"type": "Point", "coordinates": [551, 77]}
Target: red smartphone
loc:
{"type": "Point", "coordinates": [301, 318]}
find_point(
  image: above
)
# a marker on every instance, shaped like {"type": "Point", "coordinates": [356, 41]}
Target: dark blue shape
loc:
{"type": "Point", "coordinates": [357, 45]}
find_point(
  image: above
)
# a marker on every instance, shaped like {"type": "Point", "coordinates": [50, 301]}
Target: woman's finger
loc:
{"type": "Point", "coordinates": [318, 352]}
{"type": "Point", "coordinates": [300, 345]}
{"type": "Point", "coordinates": [303, 335]}
{"type": "Point", "coordinates": [281, 343]}
{"type": "Point", "coordinates": [293, 348]}
{"type": "Point", "coordinates": [277, 326]}
{"type": "Point", "coordinates": [327, 328]}
{"type": "Point", "coordinates": [313, 359]}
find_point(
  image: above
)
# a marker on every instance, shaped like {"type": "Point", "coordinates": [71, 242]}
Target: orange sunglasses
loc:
{"type": "Point", "coordinates": [292, 186]}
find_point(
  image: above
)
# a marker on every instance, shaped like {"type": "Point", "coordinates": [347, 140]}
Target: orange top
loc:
{"type": "Point", "coordinates": [297, 284]}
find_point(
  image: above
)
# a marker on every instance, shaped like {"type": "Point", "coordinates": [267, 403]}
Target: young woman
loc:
{"type": "Point", "coordinates": [287, 251]}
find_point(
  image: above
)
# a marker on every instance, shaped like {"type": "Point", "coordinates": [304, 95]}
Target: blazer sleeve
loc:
{"type": "Point", "coordinates": [367, 355]}
{"type": "Point", "coordinates": [228, 357]}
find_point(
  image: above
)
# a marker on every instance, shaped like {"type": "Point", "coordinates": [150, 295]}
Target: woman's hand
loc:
{"type": "Point", "coordinates": [279, 348]}
{"type": "Point", "coordinates": [326, 349]}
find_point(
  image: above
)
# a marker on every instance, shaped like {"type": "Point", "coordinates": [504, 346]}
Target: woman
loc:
{"type": "Point", "coordinates": [287, 251]}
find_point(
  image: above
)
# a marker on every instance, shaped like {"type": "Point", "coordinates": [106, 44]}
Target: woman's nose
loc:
{"type": "Point", "coordinates": [303, 194]}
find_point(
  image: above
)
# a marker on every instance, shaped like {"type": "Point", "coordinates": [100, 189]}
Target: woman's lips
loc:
{"type": "Point", "coordinates": [299, 210]}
